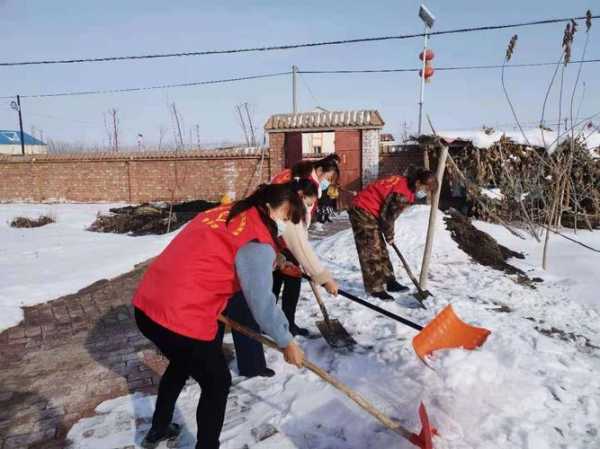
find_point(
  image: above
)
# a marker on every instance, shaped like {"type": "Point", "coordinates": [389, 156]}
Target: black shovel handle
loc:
{"type": "Point", "coordinates": [367, 304]}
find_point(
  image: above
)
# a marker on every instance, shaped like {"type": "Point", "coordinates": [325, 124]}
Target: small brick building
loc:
{"type": "Point", "coordinates": [356, 141]}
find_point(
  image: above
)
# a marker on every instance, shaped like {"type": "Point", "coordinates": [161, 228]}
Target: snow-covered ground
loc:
{"type": "Point", "coordinates": [522, 389]}
{"type": "Point", "coordinates": [40, 264]}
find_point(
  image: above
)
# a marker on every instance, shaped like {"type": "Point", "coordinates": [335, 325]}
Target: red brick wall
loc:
{"type": "Point", "coordinates": [129, 177]}
{"type": "Point", "coordinates": [277, 152]}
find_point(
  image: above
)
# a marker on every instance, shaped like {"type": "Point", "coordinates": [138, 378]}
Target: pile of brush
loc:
{"type": "Point", "coordinates": [25, 222]}
{"type": "Point", "coordinates": [157, 218]}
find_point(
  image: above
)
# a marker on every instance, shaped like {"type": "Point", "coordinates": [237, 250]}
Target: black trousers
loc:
{"type": "Point", "coordinates": [201, 360]}
{"type": "Point", "coordinates": [291, 294]}
{"type": "Point", "coordinates": [249, 353]}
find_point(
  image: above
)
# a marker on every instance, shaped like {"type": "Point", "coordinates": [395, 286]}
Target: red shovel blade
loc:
{"type": "Point", "coordinates": [424, 439]}
{"type": "Point", "coordinates": [448, 331]}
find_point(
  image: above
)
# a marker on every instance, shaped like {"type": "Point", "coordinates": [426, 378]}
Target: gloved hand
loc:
{"type": "Point", "coordinates": [388, 235]}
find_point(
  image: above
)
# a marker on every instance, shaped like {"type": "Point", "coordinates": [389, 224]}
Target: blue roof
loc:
{"type": "Point", "coordinates": [8, 137]}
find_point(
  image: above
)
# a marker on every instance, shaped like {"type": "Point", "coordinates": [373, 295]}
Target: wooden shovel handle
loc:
{"type": "Point", "coordinates": [320, 302]}
{"type": "Point", "coordinates": [407, 268]}
{"type": "Point", "coordinates": [357, 398]}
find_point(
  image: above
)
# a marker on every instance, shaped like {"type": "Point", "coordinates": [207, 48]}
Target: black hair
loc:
{"type": "Point", "coordinates": [303, 169]}
{"type": "Point", "coordinates": [274, 195]}
{"type": "Point", "coordinates": [306, 186]}
{"type": "Point", "coordinates": [423, 176]}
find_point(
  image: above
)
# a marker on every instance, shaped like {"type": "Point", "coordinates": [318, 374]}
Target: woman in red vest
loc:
{"type": "Point", "coordinates": [373, 214]}
{"type": "Point", "coordinates": [221, 252]}
{"type": "Point", "coordinates": [298, 252]}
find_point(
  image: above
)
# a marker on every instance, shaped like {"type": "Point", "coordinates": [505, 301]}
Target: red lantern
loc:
{"type": "Point", "coordinates": [428, 55]}
{"type": "Point", "coordinates": [428, 72]}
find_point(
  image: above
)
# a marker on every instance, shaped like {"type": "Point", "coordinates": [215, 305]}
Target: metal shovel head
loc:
{"type": "Point", "coordinates": [335, 335]}
{"type": "Point", "coordinates": [424, 439]}
{"type": "Point", "coordinates": [448, 331]}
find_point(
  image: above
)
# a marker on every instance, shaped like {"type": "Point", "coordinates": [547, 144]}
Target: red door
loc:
{"type": "Point", "coordinates": [293, 149]}
{"type": "Point", "coordinates": [348, 148]}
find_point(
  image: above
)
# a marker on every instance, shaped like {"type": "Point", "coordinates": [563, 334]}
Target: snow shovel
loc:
{"type": "Point", "coordinates": [445, 331]}
{"type": "Point", "coordinates": [332, 330]}
{"type": "Point", "coordinates": [421, 294]}
{"type": "Point", "coordinates": [422, 440]}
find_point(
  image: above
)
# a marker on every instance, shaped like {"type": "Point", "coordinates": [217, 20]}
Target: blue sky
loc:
{"type": "Point", "coordinates": [41, 29]}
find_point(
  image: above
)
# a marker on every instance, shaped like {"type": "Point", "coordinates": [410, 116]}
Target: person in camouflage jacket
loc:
{"type": "Point", "coordinates": [373, 214]}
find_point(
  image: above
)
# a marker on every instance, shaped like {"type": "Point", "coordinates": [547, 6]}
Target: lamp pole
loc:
{"type": "Point", "coordinates": [428, 20]}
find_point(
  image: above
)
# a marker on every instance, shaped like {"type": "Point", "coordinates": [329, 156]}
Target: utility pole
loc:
{"type": "Point", "coordinates": [21, 125]}
{"type": "Point", "coordinates": [115, 130]}
{"type": "Point", "coordinates": [294, 84]}
{"type": "Point", "coordinates": [198, 135]}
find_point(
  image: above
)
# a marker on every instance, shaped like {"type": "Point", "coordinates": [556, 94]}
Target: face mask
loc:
{"type": "Point", "coordinates": [280, 227]}
{"type": "Point", "coordinates": [324, 184]}
{"type": "Point", "coordinates": [421, 194]}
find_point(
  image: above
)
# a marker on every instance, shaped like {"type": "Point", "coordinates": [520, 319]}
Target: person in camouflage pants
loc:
{"type": "Point", "coordinates": [373, 215]}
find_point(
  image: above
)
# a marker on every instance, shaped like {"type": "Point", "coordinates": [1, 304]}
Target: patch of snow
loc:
{"type": "Point", "coordinates": [495, 194]}
{"type": "Point", "coordinates": [40, 264]}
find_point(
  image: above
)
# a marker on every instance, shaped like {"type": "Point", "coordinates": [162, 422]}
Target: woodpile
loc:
{"type": "Point", "coordinates": [526, 180]}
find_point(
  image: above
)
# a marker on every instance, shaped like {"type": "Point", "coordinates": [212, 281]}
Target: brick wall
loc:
{"type": "Point", "coordinates": [277, 152]}
{"type": "Point", "coordinates": [134, 177]}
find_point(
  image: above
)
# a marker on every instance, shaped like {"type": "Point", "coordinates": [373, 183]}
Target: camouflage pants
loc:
{"type": "Point", "coordinates": [372, 250]}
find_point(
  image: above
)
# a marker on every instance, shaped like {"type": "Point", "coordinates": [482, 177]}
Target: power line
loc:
{"type": "Point", "coordinates": [277, 74]}
{"type": "Point", "coordinates": [449, 68]}
{"type": "Point", "coordinates": [290, 46]}
{"type": "Point", "coordinates": [162, 86]}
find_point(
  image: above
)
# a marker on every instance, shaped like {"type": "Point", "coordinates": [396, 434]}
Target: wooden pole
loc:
{"type": "Point", "coordinates": [432, 216]}
{"type": "Point", "coordinates": [357, 398]}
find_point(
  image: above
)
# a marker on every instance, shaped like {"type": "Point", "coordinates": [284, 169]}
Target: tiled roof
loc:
{"type": "Point", "coordinates": [325, 120]}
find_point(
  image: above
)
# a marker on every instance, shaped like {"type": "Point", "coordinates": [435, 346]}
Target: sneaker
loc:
{"type": "Point", "coordinates": [154, 437]}
{"type": "Point", "coordinates": [295, 330]}
{"type": "Point", "coordinates": [395, 286]}
{"type": "Point", "coordinates": [383, 295]}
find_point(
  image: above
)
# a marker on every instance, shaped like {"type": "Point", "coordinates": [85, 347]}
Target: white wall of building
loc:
{"type": "Point", "coordinates": [312, 141]}
{"type": "Point", "coordinates": [29, 149]}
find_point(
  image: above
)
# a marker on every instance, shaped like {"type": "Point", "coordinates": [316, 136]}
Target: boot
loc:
{"type": "Point", "coordinates": [267, 372]}
{"type": "Point", "coordinates": [383, 295]}
{"type": "Point", "coordinates": [295, 330]}
{"type": "Point", "coordinates": [394, 286]}
{"type": "Point", "coordinates": [154, 436]}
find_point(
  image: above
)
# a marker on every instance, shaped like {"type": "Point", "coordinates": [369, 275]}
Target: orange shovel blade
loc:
{"type": "Point", "coordinates": [424, 439]}
{"type": "Point", "coordinates": [447, 331]}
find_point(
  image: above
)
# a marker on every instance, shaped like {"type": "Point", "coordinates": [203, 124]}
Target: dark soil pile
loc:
{"type": "Point", "coordinates": [480, 246]}
{"type": "Point", "coordinates": [149, 218]}
{"type": "Point", "coordinates": [24, 222]}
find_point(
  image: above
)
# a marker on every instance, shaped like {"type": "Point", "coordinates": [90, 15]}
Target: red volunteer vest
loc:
{"type": "Point", "coordinates": [371, 199]}
{"type": "Point", "coordinates": [282, 177]}
{"type": "Point", "coordinates": [189, 284]}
